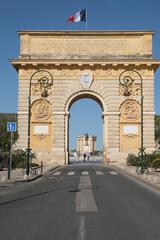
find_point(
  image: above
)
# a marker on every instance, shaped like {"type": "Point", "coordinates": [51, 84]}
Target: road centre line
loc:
{"type": "Point", "coordinates": [82, 229]}
{"type": "Point", "coordinates": [85, 201]}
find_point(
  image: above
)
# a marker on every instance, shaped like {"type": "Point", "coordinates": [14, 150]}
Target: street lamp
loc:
{"type": "Point", "coordinates": [126, 81]}
{"type": "Point", "coordinates": [45, 80]}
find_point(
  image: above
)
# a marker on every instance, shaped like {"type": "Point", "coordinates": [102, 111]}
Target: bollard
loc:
{"type": "Point", "coordinates": [149, 178]}
{"type": "Point", "coordinates": [3, 178]}
{"type": "Point", "coordinates": [154, 179]}
{"type": "Point", "coordinates": [25, 176]}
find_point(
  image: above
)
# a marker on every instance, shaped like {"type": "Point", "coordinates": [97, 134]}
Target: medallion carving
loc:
{"type": "Point", "coordinates": [41, 110]}
{"type": "Point", "coordinates": [130, 110]}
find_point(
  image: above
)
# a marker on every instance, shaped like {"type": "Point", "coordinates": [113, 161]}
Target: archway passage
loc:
{"type": "Point", "coordinates": [85, 138]}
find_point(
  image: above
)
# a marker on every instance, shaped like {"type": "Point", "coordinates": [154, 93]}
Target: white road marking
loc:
{"type": "Point", "coordinates": [70, 173]}
{"type": "Point", "coordinates": [99, 173]}
{"type": "Point", "coordinates": [56, 173]}
{"type": "Point", "coordinates": [85, 173]}
{"type": "Point", "coordinates": [82, 229]}
{"type": "Point", "coordinates": [85, 201]}
{"type": "Point", "coordinates": [113, 173]}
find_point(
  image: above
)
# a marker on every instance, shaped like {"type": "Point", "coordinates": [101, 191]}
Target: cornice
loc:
{"type": "Point", "coordinates": [22, 63]}
{"type": "Point", "coordinates": [89, 32]}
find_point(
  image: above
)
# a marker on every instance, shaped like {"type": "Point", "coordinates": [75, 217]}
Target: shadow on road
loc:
{"type": "Point", "coordinates": [70, 189]}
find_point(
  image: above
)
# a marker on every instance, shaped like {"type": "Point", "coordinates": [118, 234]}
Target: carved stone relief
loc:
{"type": "Point", "coordinates": [134, 90]}
{"type": "Point", "coordinates": [63, 72]}
{"type": "Point", "coordinates": [86, 79]}
{"type": "Point", "coordinates": [37, 89]}
{"type": "Point", "coordinates": [130, 110]}
{"type": "Point", "coordinates": [41, 110]}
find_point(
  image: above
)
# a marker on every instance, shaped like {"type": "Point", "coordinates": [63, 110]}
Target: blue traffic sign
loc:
{"type": "Point", "coordinates": [11, 126]}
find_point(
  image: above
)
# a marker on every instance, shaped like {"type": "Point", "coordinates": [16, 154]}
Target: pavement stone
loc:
{"type": "Point", "coordinates": [18, 176]}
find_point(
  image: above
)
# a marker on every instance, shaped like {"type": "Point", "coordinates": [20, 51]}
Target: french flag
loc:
{"type": "Point", "coordinates": [78, 16]}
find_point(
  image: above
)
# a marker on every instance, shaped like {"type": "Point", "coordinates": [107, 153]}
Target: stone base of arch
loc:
{"type": "Point", "coordinates": [51, 158]}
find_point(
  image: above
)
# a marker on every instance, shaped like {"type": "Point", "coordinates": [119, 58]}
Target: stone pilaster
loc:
{"type": "Point", "coordinates": [59, 137]}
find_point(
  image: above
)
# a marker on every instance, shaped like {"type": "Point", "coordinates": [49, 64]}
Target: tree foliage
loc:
{"type": "Point", "coordinates": [19, 158]}
{"type": "Point", "coordinates": [150, 159]}
{"type": "Point", "coordinates": [4, 135]}
{"type": "Point", "coordinates": [157, 128]}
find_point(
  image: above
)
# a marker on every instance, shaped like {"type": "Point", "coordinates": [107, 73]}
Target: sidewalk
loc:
{"type": "Point", "coordinates": [153, 178]}
{"type": "Point", "coordinates": [17, 176]}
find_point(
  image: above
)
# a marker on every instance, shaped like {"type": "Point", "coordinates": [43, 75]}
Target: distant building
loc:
{"type": "Point", "coordinates": [86, 143]}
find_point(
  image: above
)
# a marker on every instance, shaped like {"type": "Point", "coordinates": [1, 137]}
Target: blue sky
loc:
{"type": "Point", "coordinates": [85, 117]}
{"type": "Point", "coordinates": [52, 15]}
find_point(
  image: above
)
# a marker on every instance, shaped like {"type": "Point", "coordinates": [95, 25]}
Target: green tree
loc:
{"type": "Point", "coordinates": [4, 135]}
{"type": "Point", "coordinates": [157, 128]}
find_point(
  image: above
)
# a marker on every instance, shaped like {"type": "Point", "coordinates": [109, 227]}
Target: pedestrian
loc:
{"type": "Point", "coordinates": [84, 157]}
{"type": "Point", "coordinates": [108, 160]}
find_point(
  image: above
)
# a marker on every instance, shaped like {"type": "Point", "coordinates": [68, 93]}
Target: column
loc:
{"type": "Point", "coordinates": [60, 137]}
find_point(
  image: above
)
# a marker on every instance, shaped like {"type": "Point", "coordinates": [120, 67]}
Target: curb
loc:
{"type": "Point", "coordinates": [29, 179]}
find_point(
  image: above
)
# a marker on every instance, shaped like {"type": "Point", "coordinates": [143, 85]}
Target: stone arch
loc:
{"type": "Point", "coordinates": [85, 94]}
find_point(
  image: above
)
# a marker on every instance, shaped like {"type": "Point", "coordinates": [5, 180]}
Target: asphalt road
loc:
{"type": "Point", "coordinates": [80, 203]}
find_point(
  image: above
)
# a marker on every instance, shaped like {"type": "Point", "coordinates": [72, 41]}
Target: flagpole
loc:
{"type": "Point", "coordinates": [86, 20]}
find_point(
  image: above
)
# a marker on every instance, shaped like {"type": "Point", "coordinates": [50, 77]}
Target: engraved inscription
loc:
{"type": "Point", "coordinates": [81, 47]}
{"type": "Point", "coordinates": [130, 129]}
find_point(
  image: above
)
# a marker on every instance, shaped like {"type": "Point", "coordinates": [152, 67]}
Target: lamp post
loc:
{"type": "Point", "coordinates": [126, 81]}
{"type": "Point", "coordinates": [45, 80]}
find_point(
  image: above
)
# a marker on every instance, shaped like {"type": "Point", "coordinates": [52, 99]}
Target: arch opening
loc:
{"type": "Point", "coordinates": [85, 129]}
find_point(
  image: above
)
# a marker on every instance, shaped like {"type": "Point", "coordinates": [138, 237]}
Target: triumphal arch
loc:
{"type": "Point", "coordinates": [56, 68]}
